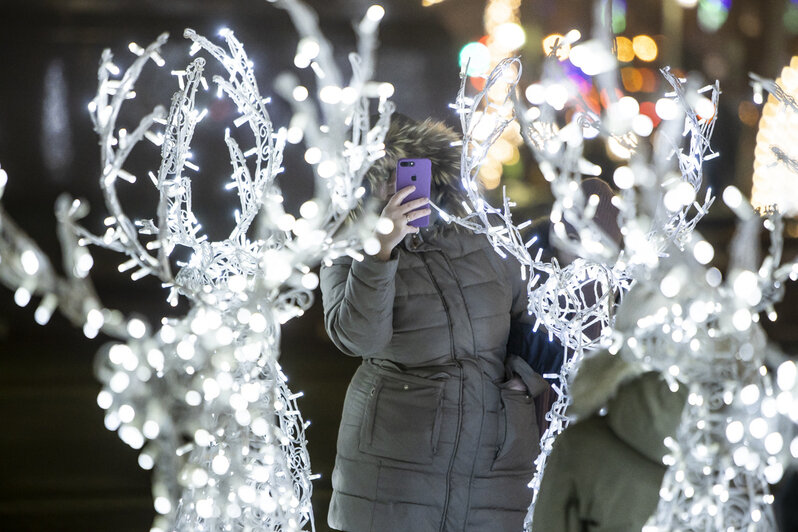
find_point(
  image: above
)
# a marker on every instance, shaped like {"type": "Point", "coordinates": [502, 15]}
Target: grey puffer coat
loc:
{"type": "Point", "coordinates": [429, 439]}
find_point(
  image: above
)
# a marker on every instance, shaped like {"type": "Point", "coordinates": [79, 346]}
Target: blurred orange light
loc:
{"type": "Point", "coordinates": [748, 113]}
{"type": "Point", "coordinates": [553, 40]}
{"type": "Point", "coordinates": [490, 174]}
{"type": "Point", "coordinates": [632, 79]}
{"type": "Point", "coordinates": [650, 80]}
{"type": "Point", "coordinates": [477, 82]}
{"type": "Point", "coordinates": [592, 100]}
{"type": "Point", "coordinates": [645, 48]}
{"type": "Point", "coordinates": [624, 48]}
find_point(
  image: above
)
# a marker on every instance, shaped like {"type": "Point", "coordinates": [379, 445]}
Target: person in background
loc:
{"type": "Point", "coordinates": [605, 470]}
{"type": "Point", "coordinates": [546, 355]}
{"type": "Point", "coordinates": [438, 428]}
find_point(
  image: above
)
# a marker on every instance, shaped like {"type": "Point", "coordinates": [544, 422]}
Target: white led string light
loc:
{"type": "Point", "coordinates": [203, 396]}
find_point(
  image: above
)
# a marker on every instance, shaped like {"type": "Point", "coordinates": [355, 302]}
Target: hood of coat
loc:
{"type": "Point", "coordinates": [644, 412]}
{"type": "Point", "coordinates": [641, 409]}
{"type": "Point", "coordinates": [434, 140]}
{"type": "Point", "coordinates": [598, 378]}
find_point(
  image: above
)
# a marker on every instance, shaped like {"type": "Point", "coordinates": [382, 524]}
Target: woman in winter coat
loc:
{"type": "Point", "coordinates": [605, 470]}
{"type": "Point", "coordinates": [438, 430]}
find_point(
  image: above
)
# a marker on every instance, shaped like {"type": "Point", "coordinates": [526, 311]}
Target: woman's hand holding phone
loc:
{"type": "Point", "coordinates": [400, 216]}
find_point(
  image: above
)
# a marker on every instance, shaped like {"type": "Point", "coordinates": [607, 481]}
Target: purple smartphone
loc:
{"type": "Point", "coordinates": [417, 172]}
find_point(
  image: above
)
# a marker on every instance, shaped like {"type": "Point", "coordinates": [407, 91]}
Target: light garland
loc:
{"type": "Point", "coordinates": [738, 424]}
{"type": "Point", "coordinates": [203, 396]}
{"type": "Point", "coordinates": [658, 215]}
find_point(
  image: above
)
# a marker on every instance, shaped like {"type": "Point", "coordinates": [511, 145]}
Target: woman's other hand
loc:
{"type": "Point", "coordinates": [400, 216]}
{"type": "Point", "coordinates": [516, 384]}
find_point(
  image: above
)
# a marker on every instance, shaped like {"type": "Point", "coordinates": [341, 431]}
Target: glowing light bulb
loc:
{"type": "Point", "coordinates": [300, 93]}
{"type": "Point", "coordinates": [162, 505]}
{"type": "Point", "coordinates": [477, 56]}
{"type": "Point", "coordinates": [220, 464]}
{"type": "Point", "coordinates": [29, 261]}
{"type": "Point", "coordinates": [732, 197]}
{"type": "Point", "coordinates": [786, 375]}
{"type": "Point", "coordinates": [749, 394]}
{"type": "Point", "coordinates": [703, 252]}
{"type": "Point", "coordinates": [666, 109]}
{"type": "Point", "coordinates": [509, 36]}
{"type": "Point", "coordinates": [735, 431]}
{"type": "Point", "coordinates": [375, 13]}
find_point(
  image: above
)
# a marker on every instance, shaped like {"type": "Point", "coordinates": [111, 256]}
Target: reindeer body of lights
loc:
{"type": "Point", "coordinates": [203, 396]}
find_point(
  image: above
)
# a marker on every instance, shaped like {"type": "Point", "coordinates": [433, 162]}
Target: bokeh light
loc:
{"type": "Point", "coordinates": [477, 56]}
{"type": "Point", "coordinates": [509, 36]}
{"type": "Point", "coordinates": [618, 16]}
{"type": "Point", "coordinates": [645, 48]}
{"type": "Point", "coordinates": [632, 79]}
{"type": "Point", "coordinates": [624, 50]}
{"type": "Point", "coordinates": [556, 40]}
{"type": "Point", "coordinates": [712, 14]}
{"type": "Point", "coordinates": [748, 113]}
{"type": "Point", "coordinates": [790, 18]}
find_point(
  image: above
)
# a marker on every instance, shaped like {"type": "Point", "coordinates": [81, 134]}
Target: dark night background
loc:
{"type": "Point", "coordinates": [60, 469]}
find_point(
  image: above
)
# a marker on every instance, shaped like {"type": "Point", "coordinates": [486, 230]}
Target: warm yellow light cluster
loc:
{"type": "Point", "coordinates": [505, 36]}
{"type": "Point", "coordinates": [773, 182]}
{"type": "Point", "coordinates": [641, 46]}
{"type": "Point", "coordinates": [556, 40]}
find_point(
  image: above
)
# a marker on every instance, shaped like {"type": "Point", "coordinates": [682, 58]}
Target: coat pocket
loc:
{"type": "Point", "coordinates": [401, 420]}
{"type": "Point", "coordinates": [519, 438]}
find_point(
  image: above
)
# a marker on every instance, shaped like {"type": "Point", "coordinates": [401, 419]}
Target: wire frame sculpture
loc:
{"type": "Point", "coordinates": [203, 396]}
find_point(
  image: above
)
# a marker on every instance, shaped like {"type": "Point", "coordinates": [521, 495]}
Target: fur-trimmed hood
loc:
{"type": "Point", "coordinates": [434, 140]}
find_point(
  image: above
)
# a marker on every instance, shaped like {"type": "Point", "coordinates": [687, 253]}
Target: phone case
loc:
{"type": "Point", "coordinates": [416, 172]}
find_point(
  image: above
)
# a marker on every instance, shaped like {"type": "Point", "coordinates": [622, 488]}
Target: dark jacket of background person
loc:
{"type": "Point", "coordinates": [604, 472]}
{"type": "Point", "coordinates": [545, 356]}
{"type": "Point", "coordinates": [430, 439]}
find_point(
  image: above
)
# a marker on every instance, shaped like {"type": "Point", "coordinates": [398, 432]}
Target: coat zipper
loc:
{"type": "Point", "coordinates": [460, 392]}
{"type": "Point", "coordinates": [479, 365]}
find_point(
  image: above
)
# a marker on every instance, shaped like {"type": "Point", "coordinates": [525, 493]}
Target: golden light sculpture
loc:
{"type": "Point", "coordinates": [774, 182]}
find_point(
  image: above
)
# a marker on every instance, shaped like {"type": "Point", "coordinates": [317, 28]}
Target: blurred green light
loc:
{"type": "Point", "coordinates": [477, 56]}
{"type": "Point", "coordinates": [791, 18]}
{"type": "Point", "coordinates": [618, 16]}
{"type": "Point", "coordinates": [712, 14]}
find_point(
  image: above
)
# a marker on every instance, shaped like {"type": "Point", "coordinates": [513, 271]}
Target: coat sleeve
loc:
{"type": "Point", "coordinates": [520, 295]}
{"type": "Point", "coordinates": [557, 506]}
{"type": "Point", "coordinates": [358, 303]}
